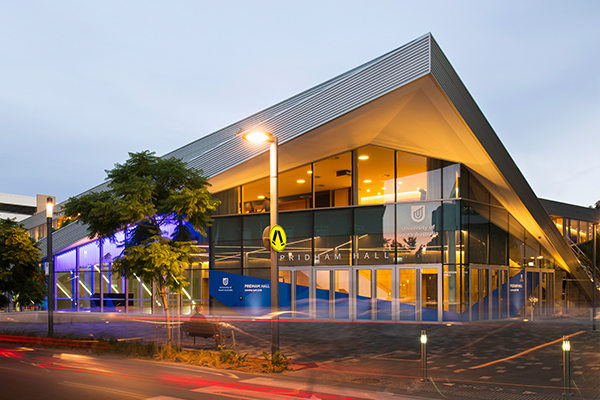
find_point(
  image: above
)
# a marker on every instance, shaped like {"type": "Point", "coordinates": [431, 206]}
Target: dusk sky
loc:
{"type": "Point", "coordinates": [84, 83]}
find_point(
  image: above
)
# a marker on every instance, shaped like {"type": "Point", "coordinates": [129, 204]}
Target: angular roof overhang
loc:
{"type": "Point", "coordinates": [433, 115]}
{"type": "Point", "coordinates": [409, 99]}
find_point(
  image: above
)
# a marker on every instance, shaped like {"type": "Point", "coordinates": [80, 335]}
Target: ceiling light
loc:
{"type": "Point", "coordinates": [367, 181]}
{"type": "Point", "coordinates": [300, 181]}
{"type": "Point", "coordinates": [261, 197]}
{"type": "Point", "coordinates": [363, 157]}
{"type": "Point", "coordinates": [399, 183]}
{"type": "Point", "coordinates": [309, 172]}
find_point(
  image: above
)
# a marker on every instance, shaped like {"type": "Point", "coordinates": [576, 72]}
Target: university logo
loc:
{"type": "Point", "coordinates": [225, 281]}
{"type": "Point", "coordinates": [417, 213]}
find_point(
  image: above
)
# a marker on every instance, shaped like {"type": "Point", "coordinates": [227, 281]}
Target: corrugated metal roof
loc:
{"type": "Point", "coordinates": [318, 106]}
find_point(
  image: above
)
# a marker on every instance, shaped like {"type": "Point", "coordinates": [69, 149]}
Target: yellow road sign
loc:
{"type": "Point", "coordinates": [277, 238]}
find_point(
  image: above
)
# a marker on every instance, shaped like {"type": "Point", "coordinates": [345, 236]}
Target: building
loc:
{"type": "Point", "coordinates": [18, 207]}
{"type": "Point", "coordinates": [399, 201]}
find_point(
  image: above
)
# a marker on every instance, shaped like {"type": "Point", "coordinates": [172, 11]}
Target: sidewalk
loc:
{"type": "Point", "coordinates": [495, 360]}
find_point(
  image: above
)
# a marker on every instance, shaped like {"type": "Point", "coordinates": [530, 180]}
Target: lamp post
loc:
{"type": "Point", "coordinates": [594, 279]}
{"type": "Point", "coordinates": [49, 211]}
{"type": "Point", "coordinates": [261, 137]}
{"type": "Point", "coordinates": [566, 347]}
{"type": "Point", "coordinates": [424, 355]}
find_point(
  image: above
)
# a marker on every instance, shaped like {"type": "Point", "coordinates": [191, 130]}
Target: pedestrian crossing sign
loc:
{"type": "Point", "coordinates": [277, 238]}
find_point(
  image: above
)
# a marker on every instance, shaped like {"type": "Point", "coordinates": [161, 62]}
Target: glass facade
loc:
{"type": "Point", "coordinates": [378, 234]}
{"type": "Point", "coordinates": [372, 234]}
{"type": "Point", "coordinates": [573, 230]}
{"type": "Point", "coordinates": [86, 281]}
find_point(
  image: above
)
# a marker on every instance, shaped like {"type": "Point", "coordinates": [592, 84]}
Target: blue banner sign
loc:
{"type": "Point", "coordinates": [246, 295]}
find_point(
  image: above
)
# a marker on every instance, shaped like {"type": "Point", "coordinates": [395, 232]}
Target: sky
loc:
{"type": "Point", "coordinates": [84, 83]}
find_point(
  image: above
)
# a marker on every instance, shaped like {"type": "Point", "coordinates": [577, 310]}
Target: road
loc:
{"type": "Point", "coordinates": [40, 374]}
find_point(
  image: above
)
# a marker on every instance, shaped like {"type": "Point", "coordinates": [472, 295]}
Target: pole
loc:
{"type": "Point", "coordinates": [566, 345]}
{"type": "Point", "coordinates": [424, 355]}
{"type": "Point", "coordinates": [274, 259]}
{"type": "Point", "coordinates": [594, 280]}
{"type": "Point", "coordinates": [50, 269]}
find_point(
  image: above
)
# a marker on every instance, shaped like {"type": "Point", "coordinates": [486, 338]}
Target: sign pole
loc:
{"type": "Point", "coordinates": [274, 255]}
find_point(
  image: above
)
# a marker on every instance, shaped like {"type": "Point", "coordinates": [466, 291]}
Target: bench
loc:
{"type": "Point", "coordinates": [200, 327]}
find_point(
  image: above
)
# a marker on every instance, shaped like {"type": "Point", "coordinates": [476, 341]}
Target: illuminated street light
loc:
{"type": "Point", "coordinates": [261, 137]}
{"type": "Point", "coordinates": [566, 347]}
{"type": "Point", "coordinates": [49, 212]}
{"type": "Point", "coordinates": [424, 355]}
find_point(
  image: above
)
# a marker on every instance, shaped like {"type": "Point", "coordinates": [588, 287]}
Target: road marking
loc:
{"type": "Point", "coordinates": [239, 393]}
{"type": "Point", "coordinates": [103, 389]}
{"type": "Point", "coordinates": [307, 387]}
{"type": "Point", "coordinates": [525, 352]}
{"type": "Point", "coordinates": [163, 398]}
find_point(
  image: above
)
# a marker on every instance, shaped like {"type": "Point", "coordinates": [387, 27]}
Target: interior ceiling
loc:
{"type": "Point", "coordinates": [416, 118]}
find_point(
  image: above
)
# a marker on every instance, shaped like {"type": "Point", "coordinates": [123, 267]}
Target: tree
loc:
{"type": "Point", "coordinates": [20, 275]}
{"type": "Point", "coordinates": [144, 195]}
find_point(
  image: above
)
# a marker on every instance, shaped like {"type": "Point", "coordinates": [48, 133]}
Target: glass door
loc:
{"type": "Point", "coordinates": [341, 287]}
{"type": "Point", "coordinates": [322, 293]}
{"type": "Point", "coordinates": [364, 293]}
{"type": "Point", "coordinates": [429, 294]}
{"type": "Point", "coordinates": [301, 294]}
{"type": "Point", "coordinates": [383, 295]}
{"type": "Point", "coordinates": [407, 294]}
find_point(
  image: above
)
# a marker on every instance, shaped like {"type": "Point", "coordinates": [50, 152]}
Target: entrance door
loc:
{"type": "Point", "coordinates": [430, 281]}
{"type": "Point", "coordinates": [489, 292]}
{"type": "Point", "coordinates": [419, 290]}
{"type": "Point", "coordinates": [406, 293]}
{"type": "Point", "coordinates": [407, 284]}
{"type": "Point", "coordinates": [341, 287]}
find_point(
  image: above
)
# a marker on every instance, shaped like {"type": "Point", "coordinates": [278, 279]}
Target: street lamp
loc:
{"type": "Point", "coordinates": [49, 211]}
{"type": "Point", "coordinates": [261, 137]}
{"type": "Point", "coordinates": [594, 279]}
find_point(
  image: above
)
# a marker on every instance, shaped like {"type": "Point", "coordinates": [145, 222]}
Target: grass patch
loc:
{"type": "Point", "coordinates": [225, 359]}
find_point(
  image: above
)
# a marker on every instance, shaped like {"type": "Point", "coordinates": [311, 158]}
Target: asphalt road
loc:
{"type": "Point", "coordinates": [41, 374]}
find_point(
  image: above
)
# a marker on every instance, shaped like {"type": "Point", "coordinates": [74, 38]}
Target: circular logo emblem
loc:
{"type": "Point", "coordinates": [277, 238]}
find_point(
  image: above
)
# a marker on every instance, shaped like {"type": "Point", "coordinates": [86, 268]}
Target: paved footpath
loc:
{"type": "Point", "coordinates": [508, 360]}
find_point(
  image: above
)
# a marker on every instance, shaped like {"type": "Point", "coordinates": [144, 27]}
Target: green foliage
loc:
{"type": "Point", "coordinates": [145, 194]}
{"type": "Point", "coordinates": [277, 363]}
{"type": "Point", "coordinates": [231, 357]}
{"type": "Point", "coordinates": [20, 274]}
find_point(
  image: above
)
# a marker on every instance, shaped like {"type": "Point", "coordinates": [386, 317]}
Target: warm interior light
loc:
{"type": "Point", "coordinates": [300, 181]}
{"type": "Point", "coordinates": [399, 183]}
{"type": "Point", "coordinates": [49, 207]}
{"type": "Point", "coordinates": [367, 181]}
{"type": "Point", "coordinates": [363, 157]}
{"type": "Point", "coordinates": [257, 136]}
{"type": "Point", "coordinates": [309, 172]}
{"type": "Point", "coordinates": [261, 197]}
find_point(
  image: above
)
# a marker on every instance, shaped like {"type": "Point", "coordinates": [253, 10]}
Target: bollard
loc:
{"type": "Point", "coordinates": [424, 355]}
{"type": "Point", "coordinates": [566, 346]}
